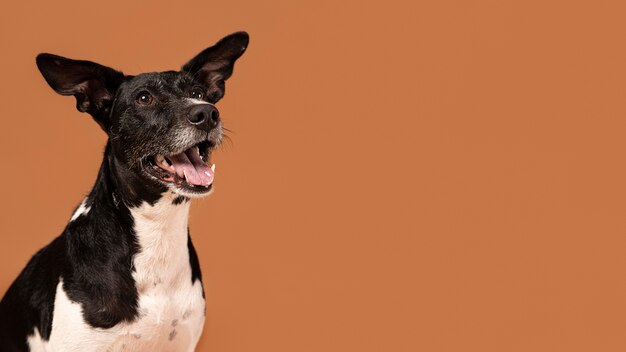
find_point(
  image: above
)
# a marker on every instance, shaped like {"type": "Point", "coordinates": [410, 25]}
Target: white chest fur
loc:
{"type": "Point", "coordinates": [171, 307]}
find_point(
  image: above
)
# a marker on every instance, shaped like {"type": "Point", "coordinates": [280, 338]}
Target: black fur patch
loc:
{"type": "Point", "coordinates": [180, 200]}
{"type": "Point", "coordinates": [194, 262]}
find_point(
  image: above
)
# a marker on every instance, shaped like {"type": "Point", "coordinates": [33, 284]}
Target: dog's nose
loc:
{"type": "Point", "coordinates": [204, 115]}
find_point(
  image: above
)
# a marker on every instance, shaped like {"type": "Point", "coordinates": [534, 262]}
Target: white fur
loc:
{"type": "Point", "coordinates": [198, 101]}
{"type": "Point", "coordinates": [36, 343]}
{"type": "Point", "coordinates": [82, 210]}
{"type": "Point", "coordinates": [184, 193]}
{"type": "Point", "coordinates": [171, 308]}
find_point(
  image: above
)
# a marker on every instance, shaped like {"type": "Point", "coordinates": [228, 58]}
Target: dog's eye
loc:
{"type": "Point", "coordinates": [197, 93]}
{"type": "Point", "coordinates": [144, 98]}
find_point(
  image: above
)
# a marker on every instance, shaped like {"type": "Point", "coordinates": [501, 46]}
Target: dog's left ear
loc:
{"type": "Point", "coordinates": [214, 65]}
{"type": "Point", "coordinates": [92, 84]}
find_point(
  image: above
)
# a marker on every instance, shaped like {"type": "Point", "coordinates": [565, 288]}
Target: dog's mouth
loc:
{"type": "Point", "coordinates": [190, 169]}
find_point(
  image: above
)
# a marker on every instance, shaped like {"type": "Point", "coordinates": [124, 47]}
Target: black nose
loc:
{"type": "Point", "coordinates": [204, 115]}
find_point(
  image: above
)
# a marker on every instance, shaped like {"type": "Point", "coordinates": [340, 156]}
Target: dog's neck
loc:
{"type": "Point", "coordinates": [162, 235]}
{"type": "Point", "coordinates": [121, 193]}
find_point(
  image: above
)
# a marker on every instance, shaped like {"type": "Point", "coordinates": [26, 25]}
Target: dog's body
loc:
{"type": "Point", "coordinates": [124, 274]}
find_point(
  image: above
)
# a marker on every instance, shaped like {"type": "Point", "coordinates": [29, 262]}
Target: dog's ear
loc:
{"type": "Point", "coordinates": [92, 84]}
{"type": "Point", "coordinates": [214, 65]}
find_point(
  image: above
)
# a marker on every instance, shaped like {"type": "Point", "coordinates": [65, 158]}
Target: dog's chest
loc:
{"type": "Point", "coordinates": [170, 306]}
{"type": "Point", "coordinates": [168, 321]}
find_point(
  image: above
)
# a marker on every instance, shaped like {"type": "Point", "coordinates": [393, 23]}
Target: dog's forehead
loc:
{"type": "Point", "coordinates": [168, 81]}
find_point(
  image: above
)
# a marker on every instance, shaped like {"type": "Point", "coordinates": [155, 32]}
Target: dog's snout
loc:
{"type": "Point", "coordinates": [204, 115]}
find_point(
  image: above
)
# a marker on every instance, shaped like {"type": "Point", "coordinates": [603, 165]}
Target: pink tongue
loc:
{"type": "Point", "coordinates": [189, 163]}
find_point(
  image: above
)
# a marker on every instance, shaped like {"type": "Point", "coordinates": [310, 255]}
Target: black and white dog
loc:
{"type": "Point", "coordinates": [124, 274]}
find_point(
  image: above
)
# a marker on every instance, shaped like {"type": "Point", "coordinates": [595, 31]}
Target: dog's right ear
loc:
{"type": "Point", "coordinates": [214, 65]}
{"type": "Point", "coordinates": [92, 84]}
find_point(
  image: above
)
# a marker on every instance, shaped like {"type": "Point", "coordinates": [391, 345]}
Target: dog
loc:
{"type": "Point", "coordinates": [124, 275]}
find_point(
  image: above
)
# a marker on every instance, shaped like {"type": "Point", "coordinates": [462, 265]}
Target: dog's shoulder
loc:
{"type": "Point", "coordinates": [29, 302]}
{"type": "Point", "coordinates": [100, 246]}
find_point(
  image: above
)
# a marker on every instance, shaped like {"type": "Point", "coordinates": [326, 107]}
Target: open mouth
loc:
{"type": "Point", "coordinates": [190, 169]}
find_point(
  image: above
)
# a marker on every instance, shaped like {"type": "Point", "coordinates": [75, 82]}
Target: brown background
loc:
{"type": "Point", "coordinates": [404, 176]}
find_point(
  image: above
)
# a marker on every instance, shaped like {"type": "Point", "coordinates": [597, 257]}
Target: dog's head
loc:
{"type": "Point", "coordinates": [162, 126]}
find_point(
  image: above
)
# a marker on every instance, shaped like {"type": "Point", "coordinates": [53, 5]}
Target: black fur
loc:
{"type": "Point", "coordinates": [94, 253]}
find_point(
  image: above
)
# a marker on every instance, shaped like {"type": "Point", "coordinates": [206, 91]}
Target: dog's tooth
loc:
{"type": "Point", "coordinates": [198, 150]}
{"type": "Point", "coordinates": [213, 167]}
{"type": "Point", "coordinates": [185, 173]}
